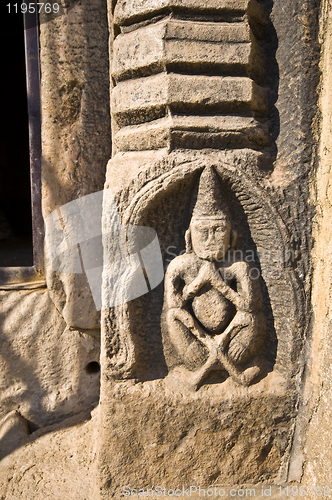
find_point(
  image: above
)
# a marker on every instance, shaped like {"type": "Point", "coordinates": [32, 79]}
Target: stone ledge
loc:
{"type": "Point", "coordinates": [193, 132]}
{"type": "Point", "coordinates": [129, 11]}
{"type": "Point", "coordinates": [169, 43]}
{"type": "Point", "coordinates": [145, 99]}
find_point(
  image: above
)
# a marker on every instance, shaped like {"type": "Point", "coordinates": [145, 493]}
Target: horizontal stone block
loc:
{"type": "Point", "coordinates": [144, 99]}
{"type": "Point", "coordinates": [130, 11]}
{"type": "Point", "coordinates": [179, 439]}
{"type": "Point", "coordinates": [126, 168]}
{"type": "Point", "coordinates": [207, 32]}
{"type": "Point", "coordinates": [183, 43]}
{"type": "Point", "coordinates": [193, 132]}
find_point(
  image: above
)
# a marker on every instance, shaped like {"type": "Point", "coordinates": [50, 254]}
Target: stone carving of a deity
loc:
{"type": "Point", "coordinates": [213, 314]}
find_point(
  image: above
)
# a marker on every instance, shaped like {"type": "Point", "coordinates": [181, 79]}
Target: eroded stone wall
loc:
{"type": "Point", "coordinates": [316, 404]}
{"type": "Point", "coordinates": [162, 101]}
{"type": "Point", "coordinates": [241, 100]}
{"type": "Point", "coordinates": [46, 371]}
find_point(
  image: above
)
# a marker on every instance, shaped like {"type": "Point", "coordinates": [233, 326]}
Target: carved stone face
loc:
{"type": "Point", "coordinates": [210, 238]}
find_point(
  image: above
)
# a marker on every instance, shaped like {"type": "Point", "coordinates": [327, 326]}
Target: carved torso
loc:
{"type": "Point", "coordinates": [209, 306]}
{"type": "Point", "coordinates": [214, 307]}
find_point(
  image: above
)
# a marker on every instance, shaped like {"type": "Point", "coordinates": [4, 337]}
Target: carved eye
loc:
{"type": "Point", "coordinates": [204, 233]}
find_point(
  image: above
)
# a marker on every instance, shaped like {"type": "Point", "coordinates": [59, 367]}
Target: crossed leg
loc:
{"type": "Point", "coordinates": [180, 322]}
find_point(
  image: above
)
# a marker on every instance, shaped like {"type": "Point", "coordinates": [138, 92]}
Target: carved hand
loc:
{"type": "Point", "coordinates": [204, 276]}
{"type": "Point", "coordinates": [218, 283]}
{"type": "Point", "coordinates": [209, 274]}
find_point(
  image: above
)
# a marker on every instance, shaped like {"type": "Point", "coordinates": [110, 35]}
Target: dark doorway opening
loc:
{"type": "Point", "coordinates": [15, 192]}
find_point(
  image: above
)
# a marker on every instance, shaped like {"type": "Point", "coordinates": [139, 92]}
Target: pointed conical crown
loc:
{"type": "Point", "coordinates": [210, 203]}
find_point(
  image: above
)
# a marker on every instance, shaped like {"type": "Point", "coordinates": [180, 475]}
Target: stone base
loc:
{"type": "Point", "coordinates": [160, 433]}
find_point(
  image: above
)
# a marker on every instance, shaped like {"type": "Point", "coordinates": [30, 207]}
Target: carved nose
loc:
{"type": "Point", "coordinates": [210, 238]}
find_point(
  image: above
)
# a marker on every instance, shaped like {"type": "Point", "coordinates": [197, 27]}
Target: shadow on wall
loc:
{"type": "Point", "coordinates": [270, 47]}
{"type": "Point", "coordinates": [48, 372]}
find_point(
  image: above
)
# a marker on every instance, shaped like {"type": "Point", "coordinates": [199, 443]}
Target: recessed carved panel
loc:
{"type": "Point", "coordinates": [213, 304]}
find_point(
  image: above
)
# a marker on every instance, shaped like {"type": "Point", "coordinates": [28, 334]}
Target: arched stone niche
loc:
{"type": "Point", "coordinates": [161, 197]}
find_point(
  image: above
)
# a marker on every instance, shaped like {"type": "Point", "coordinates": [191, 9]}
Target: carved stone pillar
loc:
{"type": "Point", "coordinates": [193, 99]}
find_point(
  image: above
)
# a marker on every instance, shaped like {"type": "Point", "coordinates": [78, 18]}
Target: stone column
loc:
{"type": "Point", "coordinates": [193, 91]}
{"type": "Point", "coordinates": [76, 133]}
